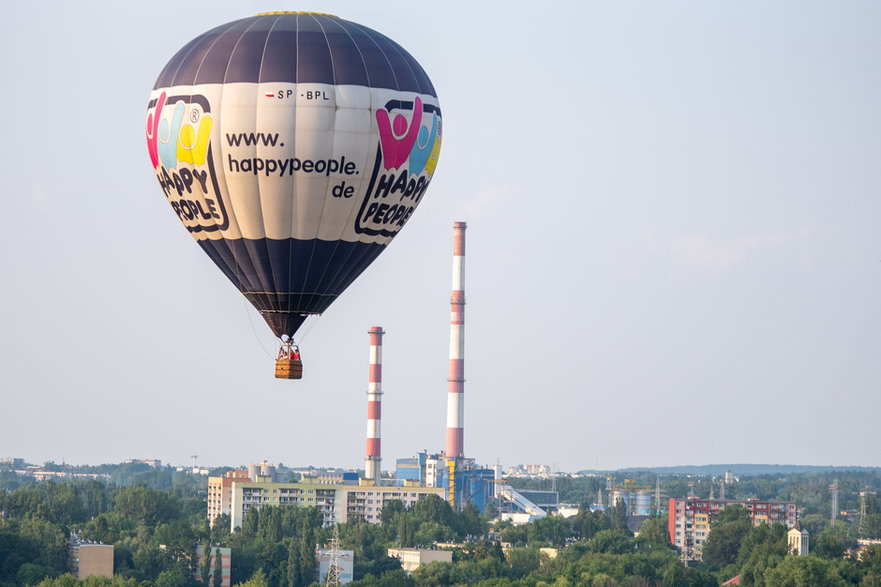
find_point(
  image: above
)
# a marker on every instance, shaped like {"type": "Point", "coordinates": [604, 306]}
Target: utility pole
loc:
{"type": "Point", "coordinates": [861, 532]}
{"type": "Point", "coordinates": [657, 495]}
{"type": "Point", "coordinates": [834, 488]}
{"type": "Point", "coordinates": [610, 486]}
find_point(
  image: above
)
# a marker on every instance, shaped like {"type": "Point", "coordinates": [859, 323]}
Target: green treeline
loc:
{"type": "Point", "coordinates": [156, 526]}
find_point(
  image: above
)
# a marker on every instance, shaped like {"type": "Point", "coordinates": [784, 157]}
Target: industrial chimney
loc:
{"type": "Point", "coordinates": [456, 378]}
{"type": "Point", "coordinates": [372, 461]}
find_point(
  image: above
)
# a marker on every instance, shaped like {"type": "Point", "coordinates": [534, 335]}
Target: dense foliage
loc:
{"type": "Point", "coordinates": [156, 519]}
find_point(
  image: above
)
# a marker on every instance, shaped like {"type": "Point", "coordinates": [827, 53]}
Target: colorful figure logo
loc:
{"type": "Point", "coordinates": [175, 141]}
{"type": "Point", "coordinates": [402, 140]}
{"type": "Point", "coordinates": [426, 149]}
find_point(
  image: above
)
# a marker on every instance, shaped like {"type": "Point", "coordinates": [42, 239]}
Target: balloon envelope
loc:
{"type": "Point", "coordinates": [293, 147]}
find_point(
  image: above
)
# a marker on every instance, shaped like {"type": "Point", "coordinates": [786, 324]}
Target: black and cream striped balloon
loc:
{"type": "Point", "coordinates": [293, 147]}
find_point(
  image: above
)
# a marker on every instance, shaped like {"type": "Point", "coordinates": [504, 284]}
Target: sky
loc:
{"type": "Point", "coordinates": [673, 251]}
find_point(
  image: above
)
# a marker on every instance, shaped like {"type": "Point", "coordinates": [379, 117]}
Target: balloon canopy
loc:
{"type": "Point", "coordinates": [293, 147]}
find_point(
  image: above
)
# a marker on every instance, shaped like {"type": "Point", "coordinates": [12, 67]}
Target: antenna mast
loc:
{"type": "Point", "coordinates": [334, 570]}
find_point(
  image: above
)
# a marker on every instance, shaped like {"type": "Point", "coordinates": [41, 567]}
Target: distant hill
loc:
{"type": "Point", "coordinates": [739, 469]}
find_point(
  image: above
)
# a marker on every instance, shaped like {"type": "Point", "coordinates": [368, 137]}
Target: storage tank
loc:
{"type": "Point", "coordinates": [641, 503]}
{"type": "Point", "coordinates": [267, 470]}
{"type": "Point", "coordinates": [638, 501]}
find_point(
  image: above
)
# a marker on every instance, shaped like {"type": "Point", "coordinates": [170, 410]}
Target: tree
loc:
{"type": "Point", "coordinates": [220, 529]}
{"type": "Point", "coordinates": [66, 580]}
{"type": "Point", "coordinates": [762, 548]}
{"type": "Point", "coordinates": [610, 542]}
{"type": "Point", "coordinates": [406, 529]}
{"type": "Point", "coordinates": [178, 575]}
{"type": "Point", "coordinates": [250, 522]}
{"type": "Point", "coordinates": [471, 523]}
{"type": "Point", "coordinates": [293, 574]}
{"type": "Point", "coordinates": [832, 542]}
{"type": "Point", "coordinates": [218, 568]}
{"type": "Point", "coordinates": [618, 517]}
{"type": "Point", "coordinates": [436, 574]}
{"type": "Point", "coordinates": [430, 532]}
{"type": "Point", "coordinates": [588, 522]}
{"type": "Point", "coordinates": [726, 534]}
{"type": "Point", "coordinates": [306, 561]}
{"type": "Point", "coordinates": [553, 530]}
{"type": "Point", "coordinates": [258, 579]}
{"type": "Point", "coordinates": [147, 506]}
{"type": "Point", "coordinates": [50, 541]}
{"type": "Point", "coordinates": [654, 532]}
{"type": "Point", "coordinates": [205, 564]}
{"type": "Point", "coordinates": [390, 510]}
{"type": "Point", "coordinates": [515, 535]}
{"type": "Point", "coordinates": [803, 571]}
{"type": "Point", "coordinates": [523, 561]}
{"type": "Point", "coordinates": [31, 574]}
{"type": "Point", "coordinates": [432, 508]}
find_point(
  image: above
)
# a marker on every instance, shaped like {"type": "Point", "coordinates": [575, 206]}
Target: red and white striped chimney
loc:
{"type": "Point", "coordinates": [456, 378]}
{"type": "Point", "coordinates": [374, 407]}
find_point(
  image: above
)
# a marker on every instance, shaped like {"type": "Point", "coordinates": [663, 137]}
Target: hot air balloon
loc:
{"type": "Point", "coordinates": [293, 147]}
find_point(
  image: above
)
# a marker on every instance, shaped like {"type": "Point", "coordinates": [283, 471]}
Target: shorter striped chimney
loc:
{"type": "Point", "coordinates": [372, 461]}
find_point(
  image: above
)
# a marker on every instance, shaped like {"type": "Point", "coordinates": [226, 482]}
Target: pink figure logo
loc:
{"type": "Point", "coordinates": [395, 151]}
{"type": "Point", "coordinates": [153, 130]}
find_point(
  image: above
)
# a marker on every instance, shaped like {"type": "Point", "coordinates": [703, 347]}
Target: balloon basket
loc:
{"type": "Point", "coordinates": [288, 369]}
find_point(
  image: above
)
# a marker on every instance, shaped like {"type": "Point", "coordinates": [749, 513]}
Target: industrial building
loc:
{"type": "Point", "coordinates": [448, 474]}
{"type": "Point", "coordinates": [413, 558]}
{"type": "Point", "coordinates": [689, 519]}
{"type": "Point", "coordinates": [462, 480]}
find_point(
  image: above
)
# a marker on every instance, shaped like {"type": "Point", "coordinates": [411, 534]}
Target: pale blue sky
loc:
{"type": "Point", "coordinates": [673, 252]}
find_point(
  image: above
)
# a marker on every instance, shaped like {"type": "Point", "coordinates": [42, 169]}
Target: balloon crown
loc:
{"type": "Point", "coordinates": [296, 12]}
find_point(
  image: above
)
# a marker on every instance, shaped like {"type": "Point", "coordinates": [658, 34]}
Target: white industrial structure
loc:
{"type": "Point", "coordinates": [373, 460]}
{"type": "Point", "coordinates": [456, 377]}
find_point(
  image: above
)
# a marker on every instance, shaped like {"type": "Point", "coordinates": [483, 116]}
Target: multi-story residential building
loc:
{"type": "Point", "coordinates": [337, 503]}
{"type": "Point", "coordinates": [220, 493]}
{"type": "Point", "coordinates": [87, 559]}
{"type": "Point", "coordinates": [689, 519]}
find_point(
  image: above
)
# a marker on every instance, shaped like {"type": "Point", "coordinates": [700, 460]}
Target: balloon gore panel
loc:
{"type": "Point", "coordinates": [287, 280]}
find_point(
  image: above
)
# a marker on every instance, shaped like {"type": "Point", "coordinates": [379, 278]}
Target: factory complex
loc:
{"type": "Point", "coordinates": [347, 496]}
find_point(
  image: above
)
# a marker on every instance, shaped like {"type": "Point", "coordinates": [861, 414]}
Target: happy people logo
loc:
{"type": "Point", "coordinates": [178, 140]}
{"type": "Point", "coordinates": [395, 187]}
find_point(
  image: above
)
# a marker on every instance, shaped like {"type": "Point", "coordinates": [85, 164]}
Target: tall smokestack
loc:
{"type": "Point", "coordinates": [456, 378]}
{"type": "Point", "coordinates": [374, 407]}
